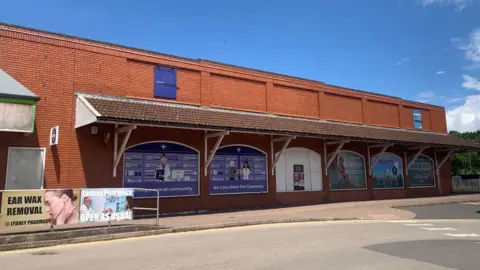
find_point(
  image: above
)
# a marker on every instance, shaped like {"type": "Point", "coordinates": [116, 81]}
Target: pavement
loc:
{"type": "Point", "coordinates": [367, 210]}
{"type": "Point", "coordinates": [372, 244]}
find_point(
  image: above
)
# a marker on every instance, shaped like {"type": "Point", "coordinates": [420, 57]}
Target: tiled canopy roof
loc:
{"type": "Point", "coordinates": [127, 110]}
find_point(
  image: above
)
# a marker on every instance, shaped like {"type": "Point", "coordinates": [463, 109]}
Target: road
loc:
{"type": "Point", "coordinates": [446, 211]}
{"type": "Point", "coordinates": [414, 244]}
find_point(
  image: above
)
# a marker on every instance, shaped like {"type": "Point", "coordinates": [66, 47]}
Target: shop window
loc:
{"type": "Point", "coordinates": [347, 172]}
{"type": "Point", "coordinates": [25, 168]}
{"type": "Point", "coordinates": [299, 169]}
{"type": "Point", "coordinates": [165, 85]}
{"type": "Point", "coordinates": [417, 119]}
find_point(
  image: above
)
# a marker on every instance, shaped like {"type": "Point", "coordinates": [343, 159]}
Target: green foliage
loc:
{"type": "Point", "coordinates": [466, 163]}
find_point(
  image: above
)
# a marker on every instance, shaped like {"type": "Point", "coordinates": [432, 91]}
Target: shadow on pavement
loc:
{"type": "Point", "coordinates": [457, 254]}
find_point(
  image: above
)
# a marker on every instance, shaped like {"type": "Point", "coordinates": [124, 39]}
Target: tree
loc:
{"type": "Point", "coordinates": [466, 163]}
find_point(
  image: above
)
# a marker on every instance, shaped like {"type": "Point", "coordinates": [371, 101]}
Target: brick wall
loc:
{"type": "Point", "coordinates": [382, 114]}
{"type": "Point", "coordinates": [341, 108]}
{"type": "Point", "coordinates": [56, 67]}
{"type": "Point", "coordinates": [98, 68]}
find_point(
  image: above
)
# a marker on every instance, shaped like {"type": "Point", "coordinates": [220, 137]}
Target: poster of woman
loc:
{"type": "Point", "coordinates": [347, 171]}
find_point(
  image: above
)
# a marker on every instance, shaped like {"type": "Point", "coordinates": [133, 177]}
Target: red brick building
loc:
{"type": "Point", "coordinates": [109, 101]}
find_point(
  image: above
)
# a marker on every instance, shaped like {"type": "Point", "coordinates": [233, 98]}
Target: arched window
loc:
{"type": "Point", "coordinates": [238, 169]}
{"type": "Point", "coordinates": [347, 171]}
{"type": "Point", "coordinates": [387, 172]}
{"type": "Point", "coordinates": [171, 168]}
{"type": "Point", "coordinates": [421, 173]}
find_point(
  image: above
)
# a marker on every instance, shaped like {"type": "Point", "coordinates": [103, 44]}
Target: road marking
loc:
{"type": "Point", "coordinates": [462, 234]}
{"type": "Point", "coordinates": [419, 224]}
{"type": "Point", "coordinates": [440, 229]}
{"type": "Point", "coordinates": [473, 203]}
{"type": "Point", "coordinates": [402, 221]}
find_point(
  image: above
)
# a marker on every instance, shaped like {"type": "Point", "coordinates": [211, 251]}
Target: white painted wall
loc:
{"type": "Point", "coordinates": [312, 165]}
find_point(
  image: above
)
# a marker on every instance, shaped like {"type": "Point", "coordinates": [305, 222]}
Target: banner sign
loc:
{"type": "Point", "coordinates": [22, 208]}
{"type": "Point", "coordinates": [171, 168]}
{"type": "Point", "coordinates": [238, 170]}
{"type": "Point", "coordinates": [388, 171]}
{"type": "Point", "coordinates": [106, 205]}
{"type": "Point", "coordinates": [421, 173]}
{"type": "Point", "coordinates": [347, 171]}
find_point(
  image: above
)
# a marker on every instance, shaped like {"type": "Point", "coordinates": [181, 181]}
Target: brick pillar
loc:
{"type": "Point", "coordinates": [365, 119]}
{"type": "Point", "coordinates": [400, 119]}
{"type": "Point", "coordinates": [268, 96]}
{"type": "Point", "coordinates": [321, 101]}
{"type": "Point", "coordinates": [205, 94]}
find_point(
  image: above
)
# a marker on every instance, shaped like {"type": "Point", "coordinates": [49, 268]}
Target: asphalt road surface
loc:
{"type": "Point", "coordinates": [446, 211]}
{"type": "Point", "coordinates": [417, 244]}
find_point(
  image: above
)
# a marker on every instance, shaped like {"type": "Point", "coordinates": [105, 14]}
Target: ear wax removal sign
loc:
{"type": "Point", "coordinates": [39, 207]}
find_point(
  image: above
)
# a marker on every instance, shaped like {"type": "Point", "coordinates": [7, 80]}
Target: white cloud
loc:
{"type": "Point", "coordinates": [470, 82]}
{"type": "Point", "coordinates": [455, 100]}
{"type": "Point", "coordinates": [426, 94]}
{"type": "Point", "coordinates": [472, 50]}
{"type": "Point", "coordinates": [459, 4]}
{"type": "Point", "coordinates": [402, 61]}
{"type": "Point", "coordinates": [473, 67]}
{"type": "Point", "coordinates": [465, 117]}
{"type": "Point", "coordinates": [440, 72]}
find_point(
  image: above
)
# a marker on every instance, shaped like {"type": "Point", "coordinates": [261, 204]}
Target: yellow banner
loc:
{"type": "Point", "coordinates": [22, 208]}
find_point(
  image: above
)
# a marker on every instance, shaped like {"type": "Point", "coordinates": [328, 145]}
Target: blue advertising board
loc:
{"type": "Point", "coordinates": [165, 85]}
{"type": "Point", "coordinates": [238, 170]}
{"type": "Point", "coordinates": [388, 171]}
{"type": "Point", "coordinates": [172, 169]}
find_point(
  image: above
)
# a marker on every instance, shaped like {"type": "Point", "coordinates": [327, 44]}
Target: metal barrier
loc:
{"type": "Point", "coordinates": [157, 221]}
{"type": "Point", "coordinates": [465, 185]}
{"type": "Point", "coordinates": [77, 193]}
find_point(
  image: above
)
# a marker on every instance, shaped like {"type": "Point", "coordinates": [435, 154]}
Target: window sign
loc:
{"type": "Point", "coordinates": [421, 173]}
{"type": "Point", "coordinates": [388, 171]}
{"type": "Point", "coordinates": [237, 170]}
{"type": "Point", "coordinates": [171, 168]}
{"type": "Point", "coordinates": [347, 171]}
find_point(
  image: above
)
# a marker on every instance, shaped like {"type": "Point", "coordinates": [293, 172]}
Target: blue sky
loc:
{"type": "Point", "coordinates": [422, 50]}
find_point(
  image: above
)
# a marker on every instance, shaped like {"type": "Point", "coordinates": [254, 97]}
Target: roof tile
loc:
{"type": "Point", "coordinates": [162, 113]}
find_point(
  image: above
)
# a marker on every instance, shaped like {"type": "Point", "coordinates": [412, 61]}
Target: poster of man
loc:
{"type": "Point", "coordinates": [39, 207]}
{"type": "Point", "coordinates": [102, 205]}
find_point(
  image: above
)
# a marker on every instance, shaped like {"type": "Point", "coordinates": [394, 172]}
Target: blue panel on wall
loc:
{"type": "Point", "coordinates": [417, 119]}
{"type": "Point", "coordinates": [165, 83]}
